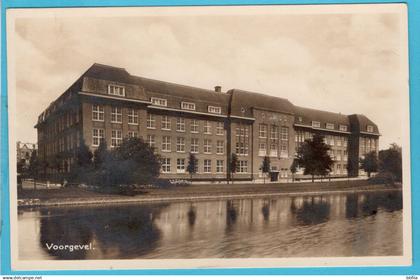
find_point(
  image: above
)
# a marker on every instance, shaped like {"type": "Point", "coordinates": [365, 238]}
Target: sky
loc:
{"type": "Point", "coordinates": [343, 62]}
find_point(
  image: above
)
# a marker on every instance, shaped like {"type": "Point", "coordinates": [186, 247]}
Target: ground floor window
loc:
{"type": "Point", "coordinates": [133, 134]}
{"type": "Point", "coordinates": [219, 166]}
{"type": "Point", "coordinates": [166, 165]}
{"type": "Point", "coordinates": [116, 138]}
{"type": "Point", "coordinates": [97, 136]}
{"type": "Point", "coordinates": [180, 165]}
{"type": "Point", "coordinates": [242, 166]}
{"type": "Point", "coordinates": [207, 166]}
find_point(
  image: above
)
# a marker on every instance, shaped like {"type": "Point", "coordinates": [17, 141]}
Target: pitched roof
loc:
{"type": "Point", "coordinates": [305, 116]}
{"type": "Point", "coordinates": [106, 72]}
{"type": "Point", "coordinates": [243, 101]}
{"type": "Point", "coordinates": [361, 122]}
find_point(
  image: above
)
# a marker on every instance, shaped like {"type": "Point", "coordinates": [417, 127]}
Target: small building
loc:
{"type": "Point", "coordinates": [24, 152]}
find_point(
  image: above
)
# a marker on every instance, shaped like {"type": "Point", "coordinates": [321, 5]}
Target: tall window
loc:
{"type": "Point", "coordinates": [133, 116]}
{"type": "Point", "coordinates": [151, 141]}
{"type": "Point", "coordinates": [166, 123]}
{"type": "Point", "coordinates": [116, 115]}
{"type": "Point", "coordinates": [214, 110]}
{"type": "Point", "coordinates": [180, 144]}
{"type": "Point", "coordinates": [151, 121]}
{"type": "Point", "coordinates": [180, 165]}
{"type": "Point", "coordinates": [242, 166]}
{"type": "Point", "coordinates": [242, 140]}
{"type": "Point", "coordinates": [207, 166]}
{"type": "Point", "coordinates": [97, 136]}
{"type": "Point", "coordinates": [194, 145]}
{"type": "Point", "coordinates": [98, 113]}
{"type": "Point", "coordinates": [219, 166]}
{"type": "Point", "coordinates": [207, 127]}
{"type": "Point", "coordinates": [166, 165]}
{"type": "Point", "coordinates": [274, 132]}
{"type": "Point", "coordinates": [220, 147]}
{"type": "Point", "coordinates": [284, 133]}
{"type": "Point", "coordinates": [159, 101]}
{"type": "Point", "coordinates": [188, 106]}
{"type": "Point", "coordinates": [263, 131]}
{"type": "Point", "coordinates": [262, 148]}
{"type": "Point", "coordinates": [194, 126]}
{"type": "Point", "coordinates": [166, 144]}
{"type": "Point", "coordinates": [116, 90]}
{"type": "Point", "coordinates": [180, 124]}
{"type": "Point", "coordinates": [273, 149]}
{"type": "Point", "coordinates": [219, 128]}
{"type": "Point", "coordinates": [116, 138]}
{"type": "Point", "coordinates": [207, 146]}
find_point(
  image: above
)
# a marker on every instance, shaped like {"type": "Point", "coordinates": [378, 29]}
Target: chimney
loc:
{"type": "Point", "coordinates": [218, 89]}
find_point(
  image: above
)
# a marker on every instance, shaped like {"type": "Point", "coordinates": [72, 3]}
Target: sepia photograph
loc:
{"type": "Point", "coordinates": [209, 137]}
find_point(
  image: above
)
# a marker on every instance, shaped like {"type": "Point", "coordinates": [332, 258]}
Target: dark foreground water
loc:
{"type": "Point", "coordinates": [368, 224]}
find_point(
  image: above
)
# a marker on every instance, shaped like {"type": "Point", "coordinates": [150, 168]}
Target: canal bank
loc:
{"type": "Point", "coordinates": [80, 197]}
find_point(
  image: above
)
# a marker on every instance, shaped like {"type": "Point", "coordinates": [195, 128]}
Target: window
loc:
{"type": "Point", "coordinates": [219, 166]}
{"type": "Point", "coordinates": [97, 136]}
{"type": "Point", "coordinates": [133, 134]}
{"type": "Point", "coordinates": [284, 133]}
{"type": "Point", "coordinates": [220, 147]}
{"type": "Point", "coordinates": [263, 131]}
{"type": "Point", "coordinates": [345, 156]}
{"type": "Point", "coordinates": [98, 113]}
{"type": "Point", "coordinates": [329, 126]}
{"type": "Point", "coordinates": [345, 142]}
{"type": "Point", "coordinates": [194, 146]}
{"type": "Point", "coordinates": [207, 127]}
{"type": "Point", "coordinates": [284, 153]}
{"type": "Point", "coordinates": [343, 127]}
{"type": "Point", "coordinates": [166, 165]}
{"type": "Point", "coordinates": [166, 144]}
{"type": "Point", "coordinates": [116, 115]}
{"type": "Point", "coordinates": [339, 141]}
{"type": "Point", "coordinates": [207, 146]}
{"type": "Point", "coordinates": [116, 138]}
{"type": "Point", "coordinates": [369, 128]}
{"type": "Point", "coordinates": [207, 166]}
{"type": "Point", "coordinates": [338, 156]}
{"type": "Point", "coordinates": [188, 106]}
{"type": "Point", "coordinates": [116, 90]}
{"type": "Point", "coordinates": [194, 126]}
{"type": "Point", "coordinates": [242, 140]}
{"type": "Point", "coordinates": [180, 124]}
{"type": "Point", "coordinates": [159, 101]}
{"type": "Point", "coordinates": [214, 110]}
{"type": "Point", "coordinates": [242, 166]}
{"type": "Point", "coordinates": [273, 149]}
{"type": "Point", "coordinates": [316, 124]}
{"type": "Point", "coordinates": [219, 128]}
{"type": "Point", "coordinates": [166, 123]}
{"type": "Point", "coordinates": [151, 140]}
{"type": "Point", "coordinates": [180, 165]}
{"type": "Point", "coordinates": [332, 142]}
{"type": "Point", "coordinates": [151, 121]}
{"type": "Point", "coordinates": [262, 149]}
{"type": "Point", "coordinates": [133, 116]}
{"type": "Point", "coordinates": [180, 144]}
{"type": "Point", "coordinates": [274, 132]}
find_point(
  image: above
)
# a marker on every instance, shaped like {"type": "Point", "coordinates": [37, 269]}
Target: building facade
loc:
{"type": "Point", "coordinates": [108, 103]}
{"type": "Point", "coordinates": [24, 152]}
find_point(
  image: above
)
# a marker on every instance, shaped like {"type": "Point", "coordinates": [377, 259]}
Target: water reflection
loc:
{"type": "Point", "coordinates": [330, 225]}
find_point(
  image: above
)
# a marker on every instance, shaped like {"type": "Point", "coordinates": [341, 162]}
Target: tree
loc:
{"type": "Point", "coordinates": [369, 163]}
{"type": "Point", "coordinates": [265, 166]}
{"type": "Point", "coordinates": [34, 167]}
{"type": "Point", "coordinates": [100, 154]}
{"type": "Point", "coordinates": [314, 158]}
{"type": "Point", "coordinates": [233, 165]}
{"type": "Point", "coordinates": [133, 162]}
{"type": "Point", "coordinates": [192, 165]}
{"type": "Point", "coordinates": [83, 155]}
{"type": "Point", "coordinates": [294, 168]}
{"type": "Point", "coordinates": [390, 160]}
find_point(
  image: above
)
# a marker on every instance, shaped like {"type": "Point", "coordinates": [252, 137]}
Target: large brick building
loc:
{"type": "Point", "coordinates": [108, 103]}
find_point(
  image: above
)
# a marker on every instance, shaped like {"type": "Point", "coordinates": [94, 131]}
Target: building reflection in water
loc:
{"type": "Point", "coordinates": [275, 227]}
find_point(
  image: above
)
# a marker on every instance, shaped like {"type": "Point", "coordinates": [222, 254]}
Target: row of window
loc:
{"type": "Point", "coordinates": [331, 126]}
{"type": "Point", "coordinates": [166, 124]}
{"type": "Point", "coordinates": [98, 114]}
{"type": "Point", "coordinates": [262, 149]}
{"type": "Point", "coordinates": [61, 144]}
{"type": "Point", "coordinates": [274, 132]}
{"type": "Point", "coordinates": [190, 106]}
{"type": "Point", "coordinates": [62, 122]}
{"type": "Point", "coordinates": [181, 164]}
